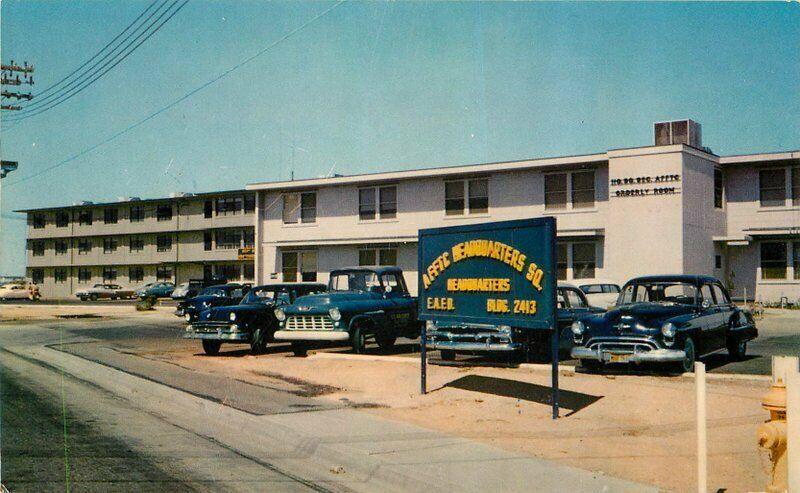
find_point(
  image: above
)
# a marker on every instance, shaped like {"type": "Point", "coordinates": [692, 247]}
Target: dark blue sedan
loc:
{"type": "Point", "coordinates": [220, 295]}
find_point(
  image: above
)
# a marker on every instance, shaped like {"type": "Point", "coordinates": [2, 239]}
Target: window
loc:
{"type": "Point", "coordinates": [84, 275]}
{"type": "Point", "coordinates": [582, 189]}
{"type": "Point", "coordinates": [163, 273]}
{"type": "Point", "coordinates": [136, 244]}
{"type": "Point", "coordinates": [705, 293]}
{"type": "Point", "coordinates": [717, 261]}
{"type": "Point", "coordinates": [109, 245]}
{"type": "Point", "coordinates": [208, 240]}
{"type": "Point", "coordinates": [37, 248]}
{"type": "Point", "coordinates": [249, 238]}
{"type": "Point", "coordinates": [229, 206]}
{"type": "Point", "coordinates": [388, 202]}
{"type": "Point", "coordinates": [719, 294]}
{"type": "Point", "coordinates": [163, 243]}
{"type": "Point", "coordinates": [62, 219]}
{"type": "Point", "coordinates": [583, 260]}
{"type": "Point", "coordinates": [164, 212]}
{"type": "Point", "coordinates": [84, 246]}
{"type": "Point", "coordinates": [230, 272]}
{"type": "Point", "coordinates": [37, 276]}
{"type": "Point", "coordinates": [249, 272]}
{"type": "Point", "coordinates": [772, 183]}
{"type": "Point", "coordinates": [796, 259]}
{"type": "Point", "coordinates": [555, 191]}
{"type": "Point", "coordinates": [773, 260]}
{"type": "Point", "coordinates": [366, 204]}
{"type": "Point", "coordinates": [718, 188]}
{"type": "Point", "coordinates": [136, 213]}
{"type": "Point", "coordinates": [249, 203]}
{"type": "Point", "coordinates": [109, 274]}
{"type": "Point", "coordinates": [299, 266]}
{"type": "Point", "coordinates": [136, 273]}
{"type": "Point", "coordinates": [478, 196]}
{"type": "Point", "coordinates": [454, 198]}
{"type": "Point", "coordinates": [38, 221]}
{"type": "Point", "coordinates": [85, 218]}
{"type": "Point", "coordinates": [228, 239]}
{"type": "Point", "coordinates": [60, 275]}
{"type": "Point", "coordinates": [796, 185]}
{"type": "Point", "coordinates": [110, 215]}
{"type": "Point", "coordinates": [561, 261]}
{"type": "Point", "coordinates": [300, 207]}
{"type": "Point", "coordinates": [377, 256]}
{"type": "Point", "coordinates": [208, 209]}
{"type": "Point", "coordinates": [61, 247]}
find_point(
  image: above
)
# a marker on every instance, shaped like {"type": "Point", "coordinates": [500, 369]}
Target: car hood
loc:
{"type": "Point", "coordinates": [224, 312]}
{"type": "Point", "coordinates": [639, 318]}
{"type": "Point", "coordinates": [323, 301]}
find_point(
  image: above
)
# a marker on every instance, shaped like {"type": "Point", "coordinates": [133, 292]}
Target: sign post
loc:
{"type": "Point", "coordinates": [423, 364]}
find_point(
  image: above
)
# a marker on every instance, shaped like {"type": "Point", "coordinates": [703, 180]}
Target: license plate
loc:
{"type": "Point", "coordinates": [619, 358]}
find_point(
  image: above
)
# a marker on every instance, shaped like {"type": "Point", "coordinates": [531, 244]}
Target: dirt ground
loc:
{"type": "Point", "coordinates": [638, 428]}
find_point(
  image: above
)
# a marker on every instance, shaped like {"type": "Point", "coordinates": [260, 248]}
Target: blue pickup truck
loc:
{"type": "Point", "coordinates": [491, 289]}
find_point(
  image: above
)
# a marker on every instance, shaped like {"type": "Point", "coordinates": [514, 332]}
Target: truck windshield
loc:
{"type": "Point", "coordinates": [358, 280]}
{"type": "Point", "coordinates": [668, 293]}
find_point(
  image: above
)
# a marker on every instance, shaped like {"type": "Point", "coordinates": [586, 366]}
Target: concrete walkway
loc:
{"type": "Point", "coordinates": [342, 449]}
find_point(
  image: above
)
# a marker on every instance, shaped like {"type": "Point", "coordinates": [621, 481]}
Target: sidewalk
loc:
{"type": "Point", "coordinates": [345, 447]}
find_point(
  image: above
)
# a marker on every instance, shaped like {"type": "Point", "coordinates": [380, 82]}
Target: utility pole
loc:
{"type": "Point", "coordinates": [10, 76]}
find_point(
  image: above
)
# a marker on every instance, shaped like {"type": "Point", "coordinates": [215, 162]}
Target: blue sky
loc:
{"type": "Point", "coordinates": [374, 86]}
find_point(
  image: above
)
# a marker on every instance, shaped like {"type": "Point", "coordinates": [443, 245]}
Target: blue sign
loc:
{"type": "Point", "coordinates": [501, 273]}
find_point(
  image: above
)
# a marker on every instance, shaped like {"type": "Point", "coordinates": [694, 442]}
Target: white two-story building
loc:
{"type": "Point", "coordinates": [674, 207]}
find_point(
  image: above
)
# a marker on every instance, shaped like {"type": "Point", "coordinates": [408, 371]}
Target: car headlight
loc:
{"type": "Point", "coordinates": [234, 328]}
{"type": "Point", "coordinates": [232, 317]}
{"type": "Point", "coordinates": [280, 314]}
{"type": "Point", "coordinates": [668, 330]}
{"type": "Point", "coordinates": [188, 317]}
{"type": "Point", "coordinates": [430, 325]}
{"type": "Point", "coordinates": [335, 314]}
{"type": "Point", "coordinates": [206, 304]}
{"type": "Point", "coordinates": [504, 329]}
{"type": "Point", "coordinates": [578, 328]}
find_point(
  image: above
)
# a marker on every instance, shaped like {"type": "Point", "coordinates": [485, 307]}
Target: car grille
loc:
{"type": "Point", "coordinates": [209, 326]}
{"type": "Point", "coordinates": [309, 322]}
{"type": "Point", "coordinates": [622, 345]}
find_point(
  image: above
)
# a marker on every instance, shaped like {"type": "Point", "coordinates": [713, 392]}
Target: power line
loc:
{"type": "Point", "coordinates": [46, 90]}
{"type": "Point", "coordinates": [78, 89]}
{"type": "Point", "coordinates": [182, 98]}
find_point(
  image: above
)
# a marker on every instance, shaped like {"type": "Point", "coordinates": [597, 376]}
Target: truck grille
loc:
{"type": "Point", "coordinates": [309, 322]}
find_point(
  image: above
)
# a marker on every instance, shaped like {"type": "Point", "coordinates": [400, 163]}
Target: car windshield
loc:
{"type": "Point", "coordinates": [357, 280]}
{"type": "Point", "coordinates": [667, 293]}
{"type": "Point", "coordinates": [213, 291]}
{"type": "Point", "coordinates": [267, 295]}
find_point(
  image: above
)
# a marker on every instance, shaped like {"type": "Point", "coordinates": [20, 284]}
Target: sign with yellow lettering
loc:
{"type": "Point", "coordinates": [499, 273]}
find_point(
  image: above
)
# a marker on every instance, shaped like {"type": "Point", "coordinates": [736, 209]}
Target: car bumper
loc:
{"type": "Point", "coordinates": [474, 346]}
{"type": "Point", "coordinates": [179, 312]}
{"type": "Point", "coordinates": [607, 356]}
{"type": "Point", "coordinates": [473, 341]}
{"type": "Point", "coordinates": [217, 333]}
{"type": "Point", "coordinates": [311, 335]}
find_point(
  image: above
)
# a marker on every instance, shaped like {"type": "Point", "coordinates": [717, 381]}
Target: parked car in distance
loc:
{"type": "Point", "coordinates": [361, 303]}
{"type": "Point", "coordinates": [599, 292]}
{"type": "Point", "coordinates": [186, 290]}
{"type": "Point", "coordinates": [19, 291]}
{"type": "Point", "coordinates": [252, 321]}
{"type": "Point", "coordinates": [104, 292]}
{"type": "Point", "coordinates": [161, 289]}
{"type": "Point", "coordinates": [665, 319]}
{"type": "Point", "coordinates": [221, 295]}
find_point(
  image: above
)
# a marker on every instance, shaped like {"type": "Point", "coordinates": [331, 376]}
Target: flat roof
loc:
{"type": "Point", "coordinates": [760, 157]}
{"type": "Point", "coordinates": [136, 201]}
{"type": "Point", "coordinates": [442, 171]}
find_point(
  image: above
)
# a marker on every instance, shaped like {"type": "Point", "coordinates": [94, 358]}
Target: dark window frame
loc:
{"type": "Point", "coordinates": [39, 221]}
{"type": "Point", "coordinates": [136, 213]}
{"type": "Point", "coordinates": [719, 189]}
{"type": "Point", "coordinates": [771, 267]}
{"type": "Point", "coordinates": [164, 212]}
{"type": "Point", "coordinates": [135, 244]}
{"type": "Point", "coordinates": [59, 275]}
{"type": "Point", "coordinates": [110, 215]}
{"type": "Point", "coordinates": [110, 245]}
{"type": "Point", "coordinates": [136, 273]}
{"type": "Point", "coordinates": [553, 196]}
{"type": "Point", "coordinates": [773, 189]}
{"type": "Point", "coordinates": [62, 219]}
{"type": "Point", "coordinates": [164, 243]}
{"type": "Point", "coordinates": [85, 217]}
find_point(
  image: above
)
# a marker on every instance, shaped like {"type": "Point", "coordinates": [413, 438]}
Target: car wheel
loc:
{"type": "Point", "coordinates": [93, 297]}
{"type": "Point", "coordinates": [737, 350]}
{"type": "Point", "coordinates": [447, 354]}
{"type": "Point", "coordinates": [300, 349]}
{"type": "Point", "coordinates": [210, 347]}
{"type": "Point", "coordinates": [385, 342]}
{"type": "Point", "coordinates": [84, 298]}
{"type": "Point", "coordinates": [358, 340]}
{"type": "Point", "coordinates": [690, 355]}
{"type": "Point", "coordinates": [258, 345]}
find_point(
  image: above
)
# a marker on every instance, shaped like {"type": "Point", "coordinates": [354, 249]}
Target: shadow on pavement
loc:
{"type": "Point", "coordinates": [574, 401]}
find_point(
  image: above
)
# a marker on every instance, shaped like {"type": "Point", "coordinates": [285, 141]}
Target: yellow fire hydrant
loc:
{"type": "Point", "coordinates": [772, 436]}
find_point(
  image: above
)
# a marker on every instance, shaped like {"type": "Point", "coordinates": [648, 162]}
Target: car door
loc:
{"type": "Point", "coordinates": [400, 306]}
{"type": "Point", "coordinates": [726, 311]}
{"type": "Point", "coordinates": [709, 319]}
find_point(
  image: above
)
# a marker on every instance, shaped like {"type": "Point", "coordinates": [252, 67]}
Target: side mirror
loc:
{"type": "Point", "coordinates": [705, 304]}
{"type": "Point", "coordinates": [388, 289]}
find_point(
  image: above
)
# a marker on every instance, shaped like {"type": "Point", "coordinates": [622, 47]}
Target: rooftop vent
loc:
{"type": "Point", "coordinates": [177, 195]}
{"type": "Point", "coordinates": [86, 202]}
{"type": "Point", "coordinates": [687, 132]}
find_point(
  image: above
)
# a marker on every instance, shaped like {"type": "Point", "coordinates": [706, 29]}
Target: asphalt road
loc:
{"type": "Point", "coordinates": [162, 302]}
